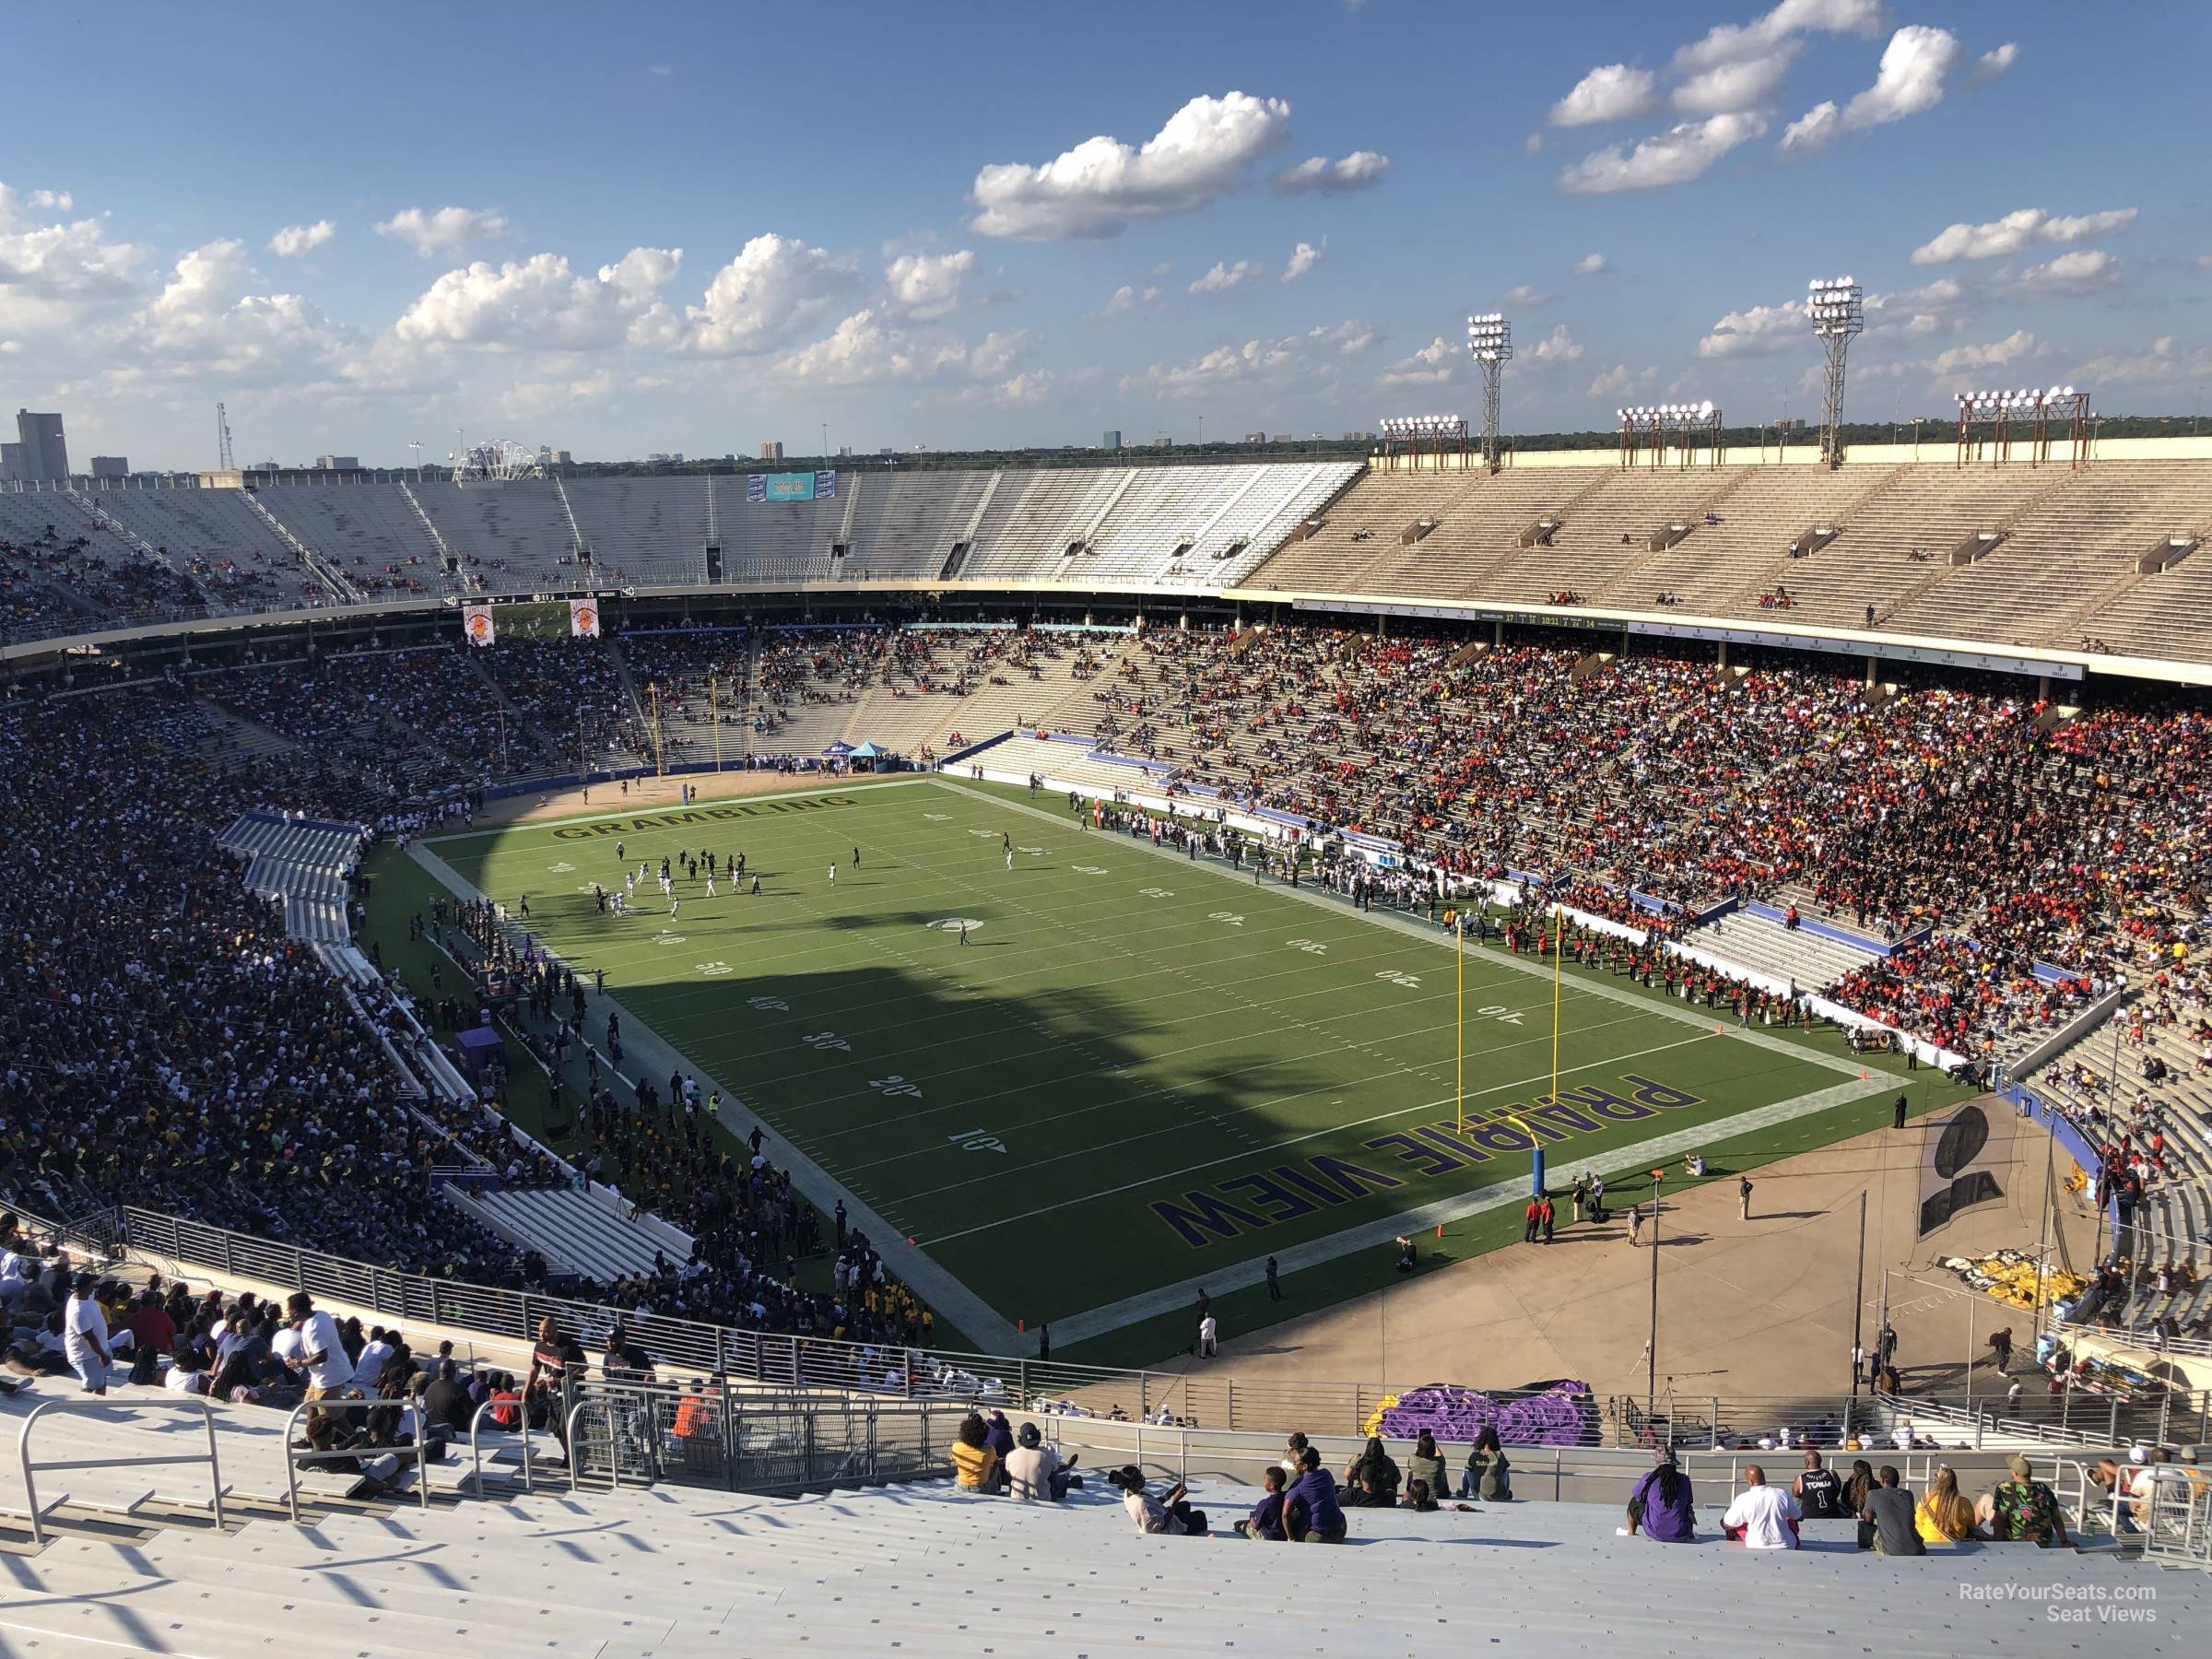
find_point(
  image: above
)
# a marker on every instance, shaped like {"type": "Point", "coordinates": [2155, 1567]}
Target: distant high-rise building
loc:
{"type": "Point", "coordinates": [111, 466]}
{"type": "Point", "coordinates": [338, 464]}
{"type": "Point", "coordinates": [1357, 437]}
{"type": "Point", "coordinates": [772, 452]}
{"type": "Point", "coordinates": [563, 458]}
{"type": "Point", "coordinates": [1255, 437]}
{"type": "Point", "coordinates": [45, 458]}
{"type": "Point", "coordinates": [1110, 438]}
{"type": "Point", "coordinates": [844, 452]}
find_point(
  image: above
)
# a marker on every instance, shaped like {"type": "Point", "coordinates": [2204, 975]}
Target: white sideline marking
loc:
{"type": "Point", "coordinates": [1172, 1298]}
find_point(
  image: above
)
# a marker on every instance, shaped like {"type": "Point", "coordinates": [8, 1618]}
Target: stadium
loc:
{"type": "Point", "coordinates": [601, 1056]}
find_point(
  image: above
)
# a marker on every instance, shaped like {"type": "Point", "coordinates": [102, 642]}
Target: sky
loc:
{"type": "Point", "coordinates": [622, 229]}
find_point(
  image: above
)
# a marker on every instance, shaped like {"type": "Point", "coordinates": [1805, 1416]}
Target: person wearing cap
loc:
{"type": "Point", "coordinates": [2025, 1511]}
{"type": "Point", "coordinates": [1035, 1473]}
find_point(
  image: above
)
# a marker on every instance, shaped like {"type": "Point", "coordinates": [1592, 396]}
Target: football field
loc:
{"type": "Point", "coordinates": [1139, 1073]}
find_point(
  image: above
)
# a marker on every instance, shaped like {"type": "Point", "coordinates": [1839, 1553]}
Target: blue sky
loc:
{"type": "Point", "coordinates": [693, 228]}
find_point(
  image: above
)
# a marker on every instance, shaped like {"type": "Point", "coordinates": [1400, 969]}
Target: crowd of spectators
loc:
{"type": "Point", "coordinates": [1976, 813]}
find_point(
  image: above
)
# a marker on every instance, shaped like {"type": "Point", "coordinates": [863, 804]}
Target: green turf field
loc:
{"type": "Point", "coordinates": [1140, 1070]}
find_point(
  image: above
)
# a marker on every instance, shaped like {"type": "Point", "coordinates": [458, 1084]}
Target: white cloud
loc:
{"type": "Point", "coordinates": [866, 350]}
{"type": "Point", "coordinates": [1618, 381]}
{"type": "Point", "coordinates": [203, 318]}
{"type": "Point", "coordinates": [776, 288]}
{"type": "Point", "coordinates": [2165, 361]}
{"type": "Point", "coordinates": [1095, 189]}
{"type": "Point", "coordinates": [1908, 82]}
{"type": "Point", "coordinates": [926, 286]}
{"type": "Point", "coordinates": [427, 233]}
{"type": "Point", "coordinates": [1675, 156]}
{"type": "Point", "coordinates": [1128, 297]}
{"type": "Point", "coordinates": [1362, 170]}
{"type": "Point", "coordinates": [539, 303]}
{"type": "Point", "coordinates": [1609, 92]}
{"type": "Point", "coordinates": [2019, 232]}
{"type": "Point", "coordinates": [1744, 84]}
{"type": "Point", "coordinates": [1814, 129]}
{"type": "Point", "coordinates": [871, 349]}
{"type": "Point", "coordinates": [1303, 258]}
{"type": "Point", "coordinates": [295, 240]}
{"type": "Point", "coordinates": [1756, 329]}
{"type": "Point", "coordinates": [1224, 277]}
{"type": "Point", "coordinates": [1524, 294]}
{"type": "Point", "coordinates": [1030, 387]}
{"type": "Point", "coordinates": [1294, 359]}
{"type": "Point", "coordinates": [1997, 353]}
{"type": "Point", "coordinates": [1991, 65]}
{"type": "Point", "coordinates": [2076, 273]}
{"type": "Point", "coordinates": [1433, 365]}
{"type": "Point", "coordinates": [57, 276]}
{"type": "Point", "coordinates": [1591, 264]}
{"type": "Point", "coordinates": [1733, 43]}
{"type": "Point", "coordinates": [1558, 346]}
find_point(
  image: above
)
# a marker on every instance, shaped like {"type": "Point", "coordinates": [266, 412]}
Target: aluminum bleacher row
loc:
{"type": "Point", "coordinates": [675, 1570]}
{"type": "Point", "coordinates": [303, 863]}
{"type": "Point", "coordinates": [2042, 555]}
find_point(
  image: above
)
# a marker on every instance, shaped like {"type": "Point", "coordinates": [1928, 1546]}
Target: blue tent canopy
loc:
{"type": "Point", "coordinates": [837, 751]}
{"type": "Point", "coordinates": [867, 751]}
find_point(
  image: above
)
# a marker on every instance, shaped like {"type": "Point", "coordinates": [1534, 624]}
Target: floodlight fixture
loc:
{"type": "Point", "coordinates": [1490, 344]}
{"type": "Point", "coordinates": [1836, 307]}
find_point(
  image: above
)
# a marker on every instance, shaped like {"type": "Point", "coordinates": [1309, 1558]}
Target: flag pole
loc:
{"type": "Point", "coordinates": [1459, 1040]}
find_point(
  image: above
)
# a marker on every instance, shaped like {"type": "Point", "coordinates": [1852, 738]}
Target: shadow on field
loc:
{"type": "Point", "coordinates": [1008, 1123]}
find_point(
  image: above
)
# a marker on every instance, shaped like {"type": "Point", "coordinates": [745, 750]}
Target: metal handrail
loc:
{"type": "Point", "coordinates": [294, 1457]}
{"type": "Point", "coordinates": [476, 1431]}
{"type": "Point", "coordinates": [897, 1370]}
{"type": "Point", "coordinates": [31, 1492]}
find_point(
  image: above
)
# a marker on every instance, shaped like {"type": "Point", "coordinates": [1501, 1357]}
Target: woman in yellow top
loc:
{"type": "Point", "coordinates": [1943, 1516]}
{"type": "Point", "coordinates": [974, 1465]}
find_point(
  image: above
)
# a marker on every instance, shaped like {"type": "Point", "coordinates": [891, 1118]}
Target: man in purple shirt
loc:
{"type": "Point", "coordinates": [1660, 1506]}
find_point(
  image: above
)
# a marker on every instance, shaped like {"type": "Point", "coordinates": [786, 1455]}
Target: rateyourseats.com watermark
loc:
{"type": "Point", "coordinates": [2075, 1604]}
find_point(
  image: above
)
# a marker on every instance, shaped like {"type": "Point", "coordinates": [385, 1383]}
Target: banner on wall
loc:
{"type": "Point", "coordinates": [584, 618]}
{"type": "Point", "coordinates": [477, 625]}
{"type": "Point", "coordinates": [1960, 1156]}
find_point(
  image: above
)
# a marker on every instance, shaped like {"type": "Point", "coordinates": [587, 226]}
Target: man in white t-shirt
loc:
{"type": "Point", "coordinates": [322, 1356]}
{"type": "Point", "coordinates": [85, 1336]}
{"type": "Point", "coordinates": [1762, 1517]}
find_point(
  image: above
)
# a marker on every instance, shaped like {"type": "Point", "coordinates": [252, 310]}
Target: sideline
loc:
{"type": "Point", "coordinates": [645, 810]}
{"type": "Point", "coordinates": [977, 1319]}
{"type": "Point", "coordinates": [1671, 1008]}
{"type": "Point", "coordinates": [1169, 1298]}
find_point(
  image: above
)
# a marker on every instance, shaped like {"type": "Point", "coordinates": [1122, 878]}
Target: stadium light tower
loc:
{"type": "Point", "coordinates": [1837, 310]}
{"type": "Point", "coordinates": [1490, 344]}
